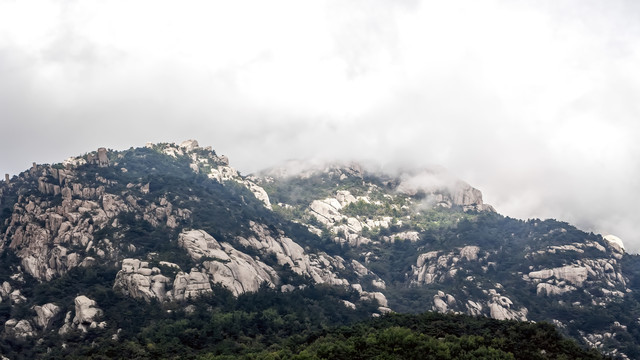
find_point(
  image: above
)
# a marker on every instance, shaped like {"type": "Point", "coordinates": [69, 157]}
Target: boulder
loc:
{"type": "Point", "coordinates": [5, 290]}
{"type": "Point", "coordinates": [474, 308]}
{"type": "Point", "coordinates": [345, 198]}
{"type": "Point", "coordinates": [349, 304]}
{"type": "Point", "coordinates": [615, 242]}
{"type": "Point", "coordinates": [20, 329]}
{"type": "Point", "coordinates": [258, 192]}
{"type": "Point", "coordinates": [199, 243]}
{"type": "Point", "coordinates": [191, 285]}
{"type": "Point", "coordinates": [103, 159]}
{"type": "Point", "coordinates": [17, 297]}
{"type": "Point", "coordinates": [377, 296]}
{"type": "Point", "coordinates": [412, 236]}
{"type": "Point", "coordinates": [550, 289]}
{"type": "Point", "coordinates": [500, 308]}
{"type": "Point", "coordinates": [67, 326]}
{"type": "Point", "coordinates": [137, 280]}
{"type": "Point", "coordinates": [189, 145]}
{"type": "Point", "coordinates": [573, 274]}
{"type": "Point", "coordinates": [87, 313]}
{"type": "Point", "coordinates": [327, 211]}
{"type": "Point", "coordinates": [439, 305]}
{"type": "Point", "coordinates": [45, 315]}
{"type": "Point", "coordinates": [470, 253]}
{"type": "Point", "coordinates": [541, 274]}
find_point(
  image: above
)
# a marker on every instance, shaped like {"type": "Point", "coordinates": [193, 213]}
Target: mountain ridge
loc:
{"type": "Point", "coordinates": [169, 223]}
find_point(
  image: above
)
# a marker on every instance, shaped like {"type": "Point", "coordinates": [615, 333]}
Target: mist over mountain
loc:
{"type": "Point", "coordinates": [116, 248]}
{"type": "Point", "coordinates": [533, 102]}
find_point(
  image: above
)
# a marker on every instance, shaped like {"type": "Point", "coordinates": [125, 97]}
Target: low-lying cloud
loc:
{"type": "Point", "coordinates": [533, 103]}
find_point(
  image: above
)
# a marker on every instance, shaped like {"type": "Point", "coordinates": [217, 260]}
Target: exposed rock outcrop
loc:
{"type": "Point", "coordinates": [319, 267]}
{"type": "Point", "coordinates": [443, 302]}
{"type": "Point", "coordinates": [222, 263]}
{"type": "Point", "coordinates": [583, 273]}
{"type": "Point", "coordinates": [615, 242]}
{"type": "Point", "coordinates": [190, 285]}
{"type": "Point", "coordinates": [137, 280]}
{"type": "Point", "coordinates": [20, 329]}
{"type": "Point", "coordinates": [204, 160]}
{"type": "Point", "coordinates": [348, 229]}
{"type": "Point", "coordinates": [403, 236]}
{"type": "Point", "coordinates": [233, 269]}
{"type": "Point", "coordinates": [87, 314]}
{"type": "Point", "coordinates": [189, 145]}
{"type": "Point", "coordinates": [474, 308]}
{"type": "Point", "coordinates": [103, 159]}
{"type": "Point", "coordinates": [436, 266]}
{"type": "Point", "coordinates": [286, 250]}
{"type": "Point", "coordinates": [45, 315]}
{"type": "Point", "coordinates": [443, 190]}
{"type": "Point", "coordinates": [100, 158]}
{"type": "Point", "coordinates": [241, 273]}
{"type": "Point", "coordinates": [500, 308]}
{"type": "Point", "coordinates": [51, 237]}
{"type": "Point", "coordinates": [470, 253]}
{"type": "Point", "coordinates": [5, 291]}
{"type": "Point", "coordinates": [200, 244]}
{"type": "Point", "coordinates": [550, 289]}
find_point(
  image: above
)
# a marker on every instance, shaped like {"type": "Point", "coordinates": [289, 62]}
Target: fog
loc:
{"type": "Point", "coordinates": [533, 102]}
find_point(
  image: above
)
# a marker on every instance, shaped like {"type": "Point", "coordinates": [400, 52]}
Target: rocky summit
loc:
{"type": "Point", "coordinates": [91, 243]}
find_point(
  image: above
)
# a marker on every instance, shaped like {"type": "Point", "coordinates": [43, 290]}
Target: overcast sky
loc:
{"type": "Point", "coordinates": [536, 103]}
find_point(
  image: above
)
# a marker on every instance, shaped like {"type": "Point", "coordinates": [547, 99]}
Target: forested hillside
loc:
{"type": "Point", "coordinates": [166, 251]}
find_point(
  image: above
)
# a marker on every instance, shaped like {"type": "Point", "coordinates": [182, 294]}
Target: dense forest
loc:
{"type": "Point", "coordinates": [304, 324]}
{"type": "Point", "coordinates": [355, 266]}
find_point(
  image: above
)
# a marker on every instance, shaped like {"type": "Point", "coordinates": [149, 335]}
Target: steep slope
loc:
{"type": "Point", "coordinates": [166, 226]}
{"type": "Point", "coordinates": [436, 246]}
{"type": "Point", "coordinates": [166, 222]}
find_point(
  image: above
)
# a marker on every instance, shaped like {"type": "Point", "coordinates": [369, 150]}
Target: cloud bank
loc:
{"type": "Point", "coordinates": [534, 103]}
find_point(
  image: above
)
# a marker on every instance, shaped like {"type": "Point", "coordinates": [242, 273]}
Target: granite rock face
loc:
{"type": "Point", "coordinates": [137, 280]}
{"type": "Point", "coordinates": [501, 308]}
{"type": "Point", "coordinates": [200, 244]}
{"type": "Point", "coordinates": [20, 329]}
{"type": "Point", "coordinates": [442, 189]}
{"type": "Point", "coordinates": [437, 266]}
{"type": "Point", "coordinates": [87, 314]}
{"type": "Point", "coordinates": [221, 263]}
{"type": "Point", "coordinates": [233, 269]}
{"type": "Point", "coordinates": [190, 285]}
{"type": "Point", "coordinates": [45, 315]}
{"type": "Point", "coordinates": [343, 225]}
{"type": "Point", "coordinates": [53, 236]}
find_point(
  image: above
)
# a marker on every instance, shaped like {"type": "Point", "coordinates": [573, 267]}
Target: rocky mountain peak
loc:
{"type": "Point", "coordinates": [169, 223]}
{"type": "Point", "coordinates": [305, 169]}
{"type": "Point", "coordinates": [615, 242]}
{"type": "Point", "coordinates": [435, 186]}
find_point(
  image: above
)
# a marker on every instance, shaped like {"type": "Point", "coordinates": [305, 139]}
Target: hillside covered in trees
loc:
{"type": "Point", "coordinates": [166, 251]}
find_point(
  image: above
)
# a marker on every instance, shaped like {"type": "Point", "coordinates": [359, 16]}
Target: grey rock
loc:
{"type": "Point", "coordinates": [199, 243]}
{"type": "Point", "coordinates": [190, 285]}
{"type": "Point", "coordinates": [87, 313]}
{"type": "Point", "coordinates": [20, 329]}
{"type": "Point", "coordinates": [135, 279]}
{"type": "Point", "coordinates": [189, 145]}
{"type": "Point", "coordinates": [45, 315]}
{"type": "Point", "coordinates": [103, 159]}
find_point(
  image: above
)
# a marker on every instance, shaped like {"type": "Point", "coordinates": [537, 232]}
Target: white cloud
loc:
{"type": "Point", "coordinates": [532, 102]}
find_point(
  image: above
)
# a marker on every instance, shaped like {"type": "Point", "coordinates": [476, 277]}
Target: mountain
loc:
{"type": "Point", "coordinates": [121, 249]}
